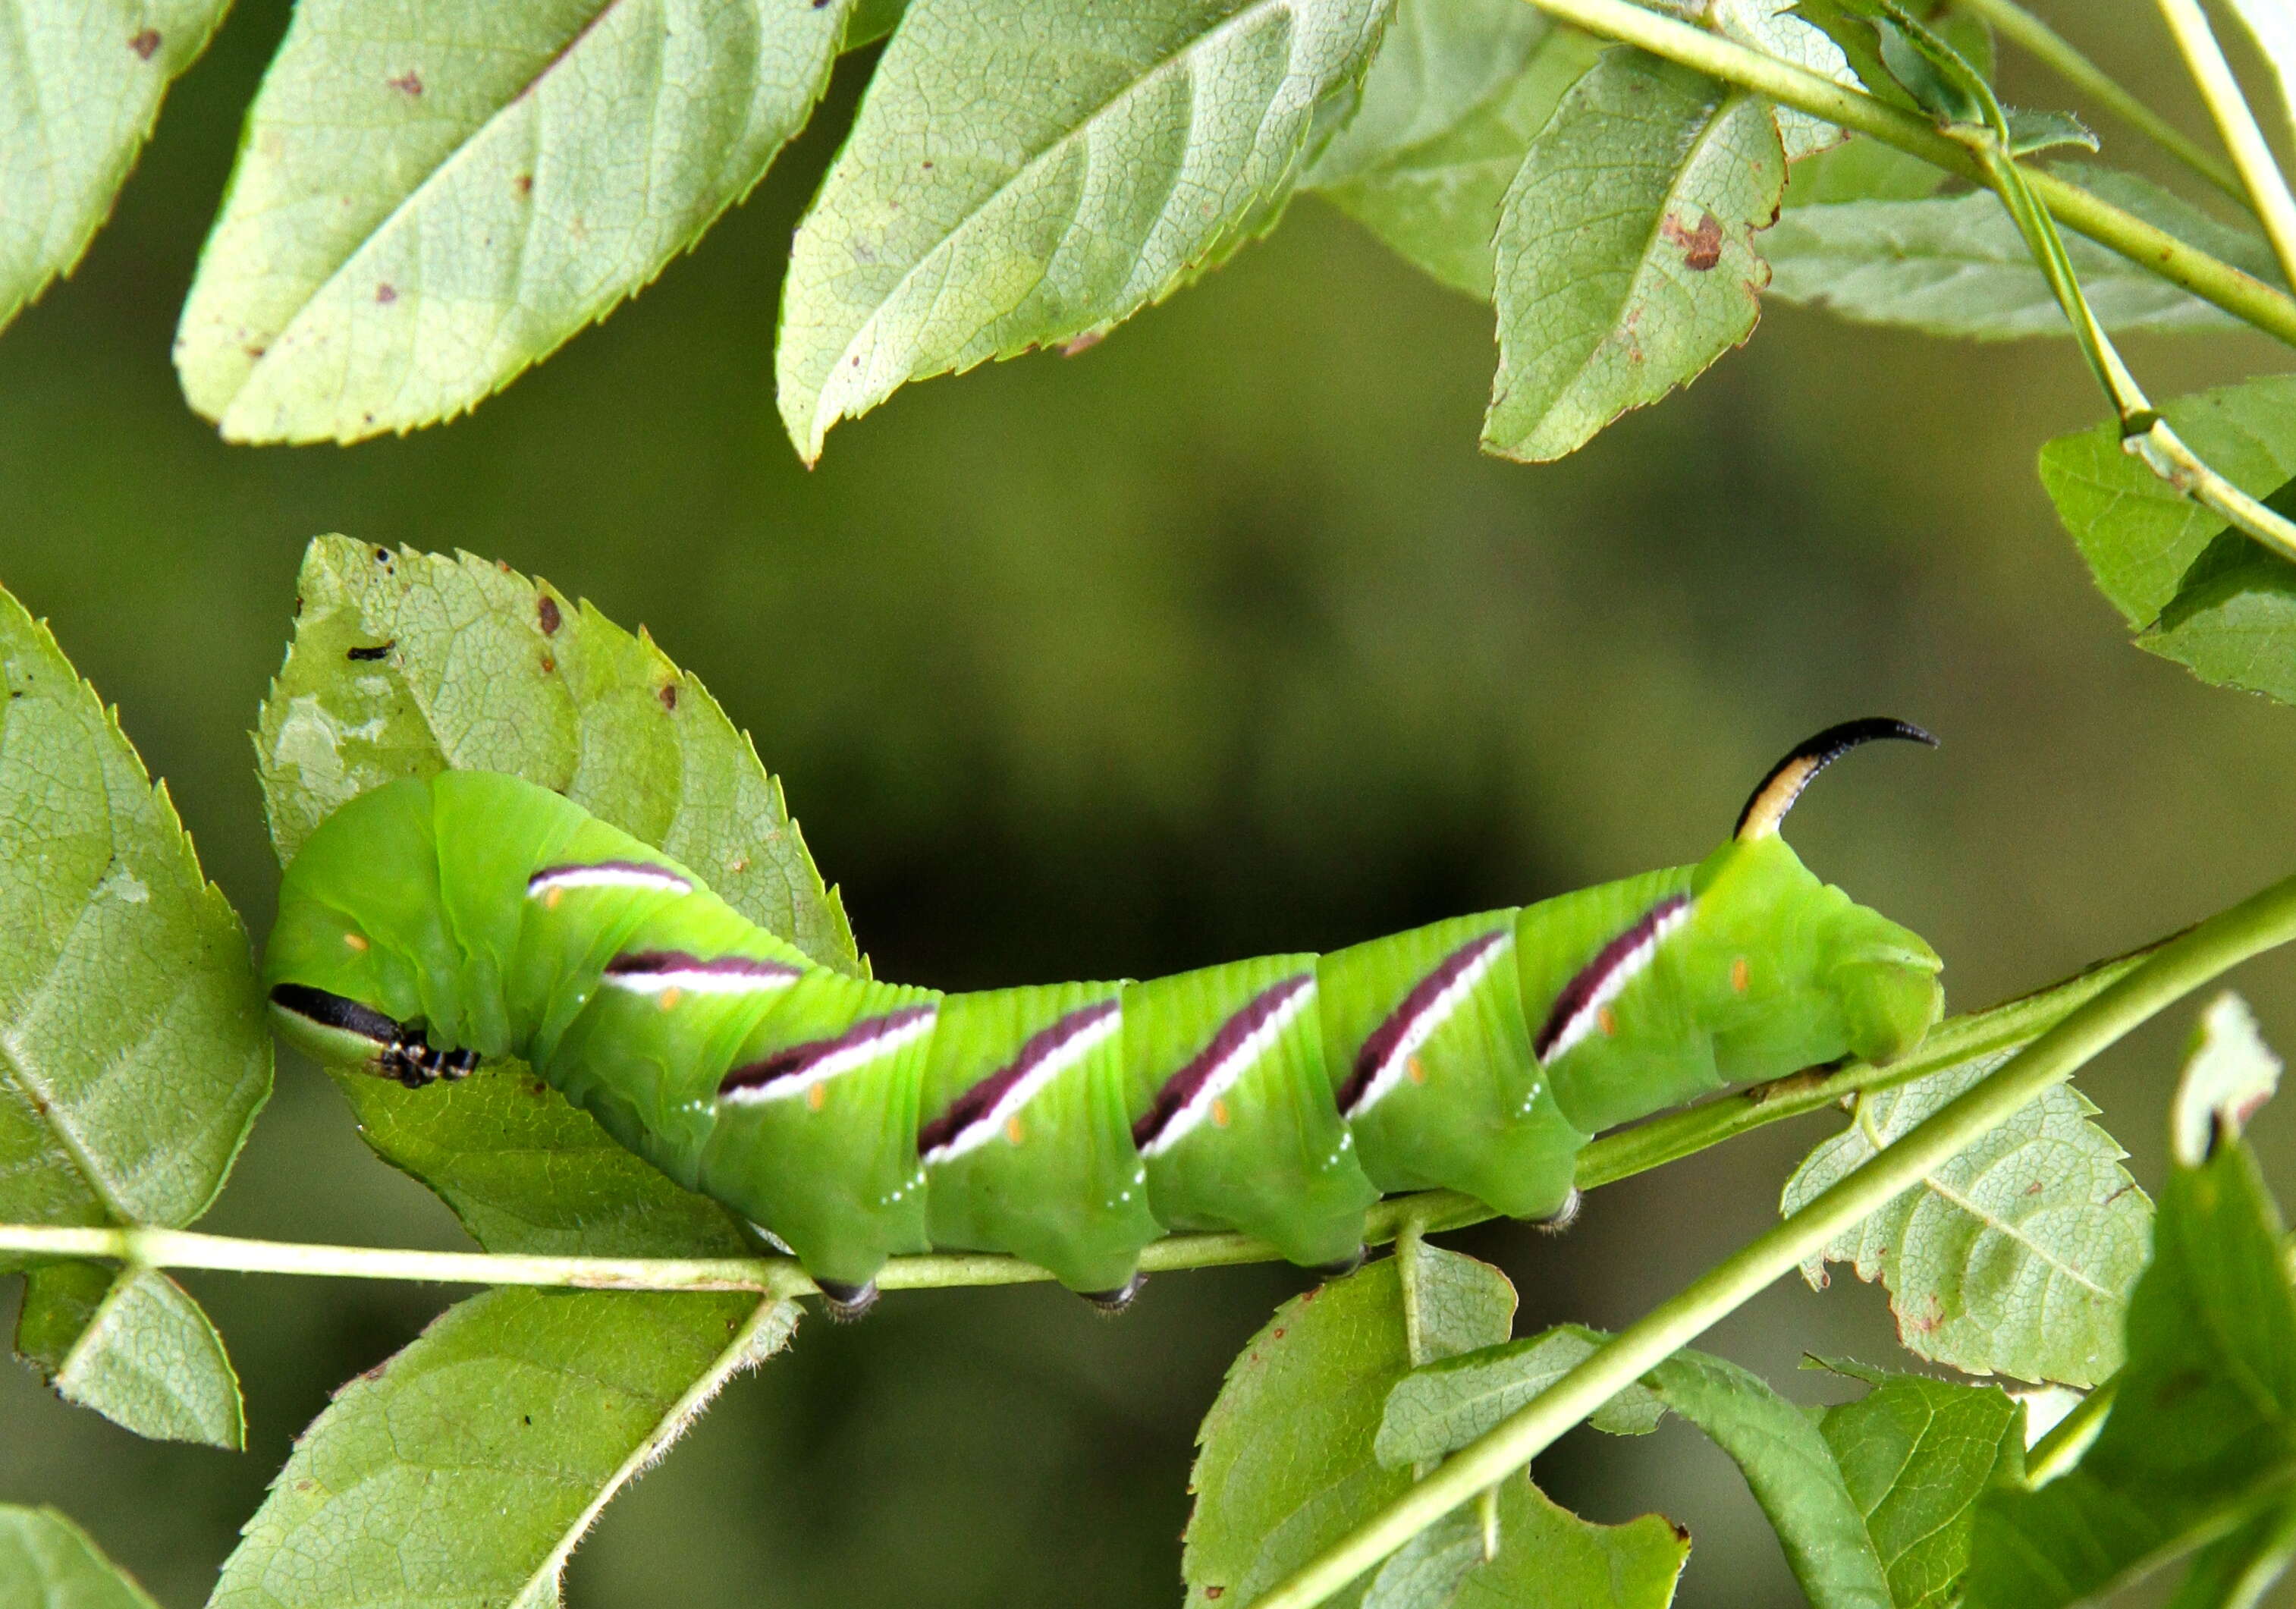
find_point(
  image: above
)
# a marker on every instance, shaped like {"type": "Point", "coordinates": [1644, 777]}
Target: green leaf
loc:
{"type": "Point", "coordinates": [1957, 266]}
{"type": "Point", "coordinates": [1626, 256]}
{"type": "Point", "coordinates": [433, 195]}
{"type": "Point", "coordinates": [2139, 535]}
{"type": "Point", "coordinates": [133, 1054]}
{"type": "Point", "coordinates": [1285, 1466]}
{"type": "Point", "coordinates": [2016, 1256]}
{"type": "Point", "coordinates": [1437, 204]}
{"type": "Point", "coordinates": [1427, 1572]}
{"type": "Point", "coordinates": [2201, 1438]}
{"type": "Point", "coordinates": [80, 86]}
{"type": "Point", "coordinates": [463, 1470]}
{"type": "Point", "coordinates": [1439, 63]}
{"type": "Point", "coordinates": [2237, 1570]}
{"type": "Point", "coordinates": [1916, 1454]}
{"type": "Point", "coordinates": [1440, 1407]}
{"type": "Point", "coordinates": [1452, 1304]}
{"type": "Point", "coordinates": [1790, 1468]}
{"type": "Point", "coordinates": [48, 1563]}
{"type": "Point", "coordinates": [2030, 131]}
{"type": "Point", "coordinates": [1864, 169]}
{"type": "Point", "coordinates": [488, 671]}
{"type": "Point", "coordinates": [1549, 1558]}
{"type": "Point", "coordinates": [1024, 172]}
{"type": "Point", "coordinates": [2229, 1072]}
{"type": "Point", "coordinates": [148, 1359]}
{"type": "Point", "coordinates": [484, 669]}
{"type": "Point", "coordinates": [1772, 27]}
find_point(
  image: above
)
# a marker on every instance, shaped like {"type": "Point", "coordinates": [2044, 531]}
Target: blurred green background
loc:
{"type": "Point", "coordinates": [1220, 638]}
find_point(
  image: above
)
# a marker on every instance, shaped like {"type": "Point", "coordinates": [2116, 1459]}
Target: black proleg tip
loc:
{"type": "Point", "coordinates": [847, 1302]}
{"type": "Point", "coordinates": [1115, 1301]}
{"type": "Point", "coordinates": [1341, 1269]}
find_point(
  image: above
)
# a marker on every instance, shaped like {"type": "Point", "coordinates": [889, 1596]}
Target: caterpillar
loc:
{"type": "Point", "coordinates": [429, 923]}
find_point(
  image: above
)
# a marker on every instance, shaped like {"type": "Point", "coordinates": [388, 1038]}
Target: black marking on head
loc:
{"type": "Point", "coordinates": [1389, 1035]}
{"type": "Point", "coordinates": [1112, 1302]}
{"type": "Point", "coordinates": [1181, 1088]}
{"type": "Point", "coordinates": [978, 1105]}
{"type": "Point", "coordinates": [847, 1302]}
{"type": "Point", "coordinates": [368, 655]}
{"type": "Point", "coordinates": [336, 1012]}
{"type": "Point", "coordinates": [1770, 800]}
{"type": "Point", "coordinates": [758, 1078]}
{"type": "Point", "coordinates": [1583, 990]}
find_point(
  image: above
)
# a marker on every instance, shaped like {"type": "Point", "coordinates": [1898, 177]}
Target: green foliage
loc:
{"type": "Point", "coordinates": [2200, 1444]}
{"type": "Point", "coordinates": [48, 1563]}
{"type": "Point", "coordinates": [1449, 107]}
{"type": "Point", "coordinates": [1957, 266]}
{"type": "Point", "coordinates": [1545, 1557]}
{"type": "Point", "coordinates": [2017, 1257]}
{"type": "Point", "coordinates": [483, 668]}
{"type": "Point", "coordinates": [133, 1053]}
{"type": "Point", "coordinates": [464, 1469]}
{"type": "Point", "coordinates": [1286, 1465]}
{"type": "Point", "coordinates": [1626, 249]}
{"type": "Point", "coordinates": [1025, 175]}
{"type": "Point", "coordinates": [2139, 534]}
{"type": "Point", "coordinates": [433, 195]}
{"type": "Point", "coordinates": [1440, 1407]}
{"type": "Point", "coordinates": [80, 85]}
{"type": "Point", "coordinates": [1915, 1454]}
{"type": "Point", "coordinates": [144, 1356]}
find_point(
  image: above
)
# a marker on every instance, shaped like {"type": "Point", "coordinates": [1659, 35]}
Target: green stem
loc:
{"type": "Point", "coordinates": [2268, 190]}
{"type": "Point", "coordinates": [1606, 1161]}
{"type": "Point", "coordinates": [2249, 300]}
{"type": "Point", "coordinates": [2069, 1437]}
{"type": "Point", "coordinates": [2054, 51]}
{"type": "Point", "coordinates": [2172, 972]}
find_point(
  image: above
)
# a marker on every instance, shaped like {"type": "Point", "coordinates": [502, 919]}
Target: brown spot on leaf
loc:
{"type": "Point", "coordinates": [548, 665]}
{"type": "Point", "coordinates": [524, 183]}
{"type": "Point", "coordinates": [668, 695]}
{"type": "Point", "coordinates": [1082, 343]}
{"type": "Point", "coordinates": [145, 42]}
{"type": "Point", "coordinates": [408, 83]}
{"type": "Point", "coordinates": [1214, 1591]}
{"type": "Point", "coordinates": [545, 614]}
{"type": "Point", "coordinates": [1702, 247]}
{"type": "Point", "coordinates": [385, 294]}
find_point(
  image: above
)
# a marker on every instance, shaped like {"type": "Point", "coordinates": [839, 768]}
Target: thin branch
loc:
{"type": "Point", "coordinates": [1606, 1161]}
{"type": "Point", "coordinates": [2268, 190]}
{"type": "Point", "coordinates": [2174, 970]}
{"type": "Point", "coordinates": [2247, 299]}
{"type": "Point", "coordinates": [2069, 1437]}
{"type": "Point", "coordinates": [2061, 56]}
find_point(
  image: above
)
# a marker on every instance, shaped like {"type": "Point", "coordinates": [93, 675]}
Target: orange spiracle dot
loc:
{"type": "Point", "coordinates": [1012, 1129]}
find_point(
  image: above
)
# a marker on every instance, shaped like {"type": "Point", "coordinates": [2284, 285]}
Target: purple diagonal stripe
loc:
{"type": "Point", "coordinates": [1398, 1022]}
{"type": "Point", "coordinates": [1180, 1089]}
{"type": "Point", "coordinates": [979, 1102]}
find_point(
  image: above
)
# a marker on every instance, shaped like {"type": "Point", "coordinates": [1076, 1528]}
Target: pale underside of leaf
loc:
{"type": "Point", "coordinates": [1439, 63]}
{"type": "Point", "coordinates": [1437, 201]}
{"type": "Point", "coordinates": [1957, 266]}
{"type": "Point", "coordinates": [80, 86]}
{"type": "Point", "coordinates": [1023, 176]}
{"type": "Point", "coordinates": [151, 1361]}
{"type": "Point", "coordinates": [429, 198]}
{"type": "Point", "coordinates": [2015, 1258]}
{"type": "Point", "coordinates": [52, 1562]}
{"type": "Point", "coordinates": [1625, 248]}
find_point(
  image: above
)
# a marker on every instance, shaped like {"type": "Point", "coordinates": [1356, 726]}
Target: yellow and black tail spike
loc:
{"type": "Point", "coordinates": [1776, 792]}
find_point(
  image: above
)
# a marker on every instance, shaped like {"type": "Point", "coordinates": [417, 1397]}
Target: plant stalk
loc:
{"type": "Point", "coordinates": [2050, 48]}
{"type": "Point", "coordinates": [2249, 300]}
{"type": "Point", "coordinates": [2268, 189]}
{"type": "Point", "coordinates": [2172, 972]}
{"type": "Point", "coordinates": [1605, 1162]}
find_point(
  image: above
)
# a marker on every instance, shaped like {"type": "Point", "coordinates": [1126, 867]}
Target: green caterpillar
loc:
{"type": "Point", "coordinates": [429, 923]}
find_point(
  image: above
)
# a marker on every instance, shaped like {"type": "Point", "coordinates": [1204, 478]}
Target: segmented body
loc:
{"type": "Point", "coordinates": [1069, 1124]}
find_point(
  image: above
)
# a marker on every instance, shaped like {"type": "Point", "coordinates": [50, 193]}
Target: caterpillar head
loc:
{"type": "Point", "coordinates": [1880, 978]}
{"type": "Point", "coordinates": [339, 993]}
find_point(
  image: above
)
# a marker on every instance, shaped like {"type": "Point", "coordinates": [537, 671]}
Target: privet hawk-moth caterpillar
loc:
{"type": "Point", "coordinates": [428, 923]}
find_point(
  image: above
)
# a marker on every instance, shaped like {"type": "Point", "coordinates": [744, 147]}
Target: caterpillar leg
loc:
{"type": "Point", "coordinates": [1562, 1217]}
{"type": "Point", "coordinates": [1339, 1268]}
{"type": "Point", "coordinates": [847, 1302]}
{"type": "Point", "coordinates": [1112, 1302]}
